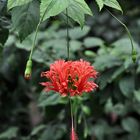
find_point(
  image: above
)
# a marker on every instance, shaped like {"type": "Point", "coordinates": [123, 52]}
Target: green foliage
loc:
{"type": "Point", "coordinates": [93, 42]}
{"type": "Point", "coordinates": [106, 113]}
{"type": "Point", "coordinates": [37, 129]}
{"type": "Point", "coordinates": [130, 125]}
{"type": "Point", "coordinates": [25, 19]}
{"type": "Point", "coordinates": [14, 3]}
{"type": "Point", "coordinates": [127, 85]}
{"type": "Point", "coordinates": [100, 4]}
{"type": "Point", "coordinates": [52, 7]}
{"type": "Point", "coordinates": [77, 11]}
{"type": "Point", "coordinates": [51, 99]}
{"type": "Point", "coordinates": [9, 133]}
{"type": "Point", "coordinates": [26, 14]}
{"type": "Point", "coordinates": [113, 4]}
{"type": "Point", "coordinates": [28, 113]}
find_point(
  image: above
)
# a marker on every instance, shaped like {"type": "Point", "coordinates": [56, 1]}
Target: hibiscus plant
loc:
{"type": "Point", "coordinates": [53, 37]}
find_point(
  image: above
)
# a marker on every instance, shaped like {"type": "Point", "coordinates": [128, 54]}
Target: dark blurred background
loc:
{"type": "Point", "coordinates": [110, 113]}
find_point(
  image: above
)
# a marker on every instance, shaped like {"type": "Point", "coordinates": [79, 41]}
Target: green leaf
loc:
{"type": "Point", "coordinates": [25, 19]}
{"type": "Point", "coordinates": [93, 42]}
{"type": "Point", "coordinates": [108, 106]}
{"type": "Point", "coordinates": [130, 124]}
{"type": "Point", "coordinates": [89, 53]}
{"type": "Point", "coordinates": [53, 132]}
{"type": "Point", "coordinates": [52, 7]}
{"type": "Point", "coordinates": [138, 69]}
{"type": "Point", "coordinates": [100, 3]}
{"type": "Point", "coordinates": [9, 133]}
{"type": "Point", "coordinates": [106, 61]}
{"type": "Point", "coordinates": [75, 45]}
{"type": "Point", "coordinates": [86, 110]}
{"type": "Point", "coordinates": [14, 3]}
{"type": "Point", "coordinates": [77, 10]}
{"type": "Point", "coordinates": [51, 99]}
{"type": "Point", "coordinates": [37, 129]}
{"type": "Point", "coordinates": [105, 78]}
{"type": "Point", "coordinates": [118, 72]}
{"type": "Point", "coordinates": [77, 32]}
{"type": "Point", "coordinates": [113, 4]}
{"type": "Point", "coordinates": [126, 85]}
{"type": "Point", "coordinates": [137, 95]}
{"type": "Point", "coordinates": [119, 109]}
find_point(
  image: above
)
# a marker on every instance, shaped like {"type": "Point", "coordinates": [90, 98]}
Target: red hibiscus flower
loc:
{"type": "Point", "coordinates": [70, 78]}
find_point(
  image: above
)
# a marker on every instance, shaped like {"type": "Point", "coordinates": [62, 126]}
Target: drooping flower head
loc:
{"type": "Point", "coordinates": [70, 77]}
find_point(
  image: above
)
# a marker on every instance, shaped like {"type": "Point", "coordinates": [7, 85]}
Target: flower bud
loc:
{"type": "Point", "coordinates": [134, 55]}
{"type": "Point", "coordinates": [28, 70]}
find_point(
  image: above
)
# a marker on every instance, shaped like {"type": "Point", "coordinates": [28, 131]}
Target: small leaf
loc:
{"type": "Point", "coordinates": [117, 72]}
{"type": "Point", "coordinates": [108, 106]}
{"type": "Point", "coordinates": [100, 4]}
{"type": "Point", "coordinates": [93, 42]}
{"type": "Point", "coordinates": [77, 32]}
{"type": "Point", "coordinates": [105, 78]}
{"type": "Point", "coordinates": [138, 69]}
{"type": "Point", "coordinates": [119, 109]}
{"type": "Point", "coordinates": [75, 45]}
{"type": "Point", "coordinates": [106, 61]}
{"type": "Point", "coordinates": [130, 124]}
{"type": "Point", "coordinates": [86, 110]}
{"type": "Point", "coordinates": [126, 85]}
{"type": "Point", "coordinates": [49, 99]}
{"type": "Point", "coordinates": [37, 129]}
{"type": "Point", "coordinates": [14, 3]}
{"type": "Point", "coordinates": [9, 133]}
{"type": "Point", "coordinates": [137, 95]}
{"type": "Point", "coordinates": [25, 19]}
{"type": "Point", "coordinates": [113, 4]}
{"type": "Point", "coordinates": [89, 53]}
{"type": "Point", "coordinates": [53, 132]}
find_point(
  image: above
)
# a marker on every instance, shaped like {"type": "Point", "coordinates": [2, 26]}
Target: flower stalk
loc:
{"type": "Point", "coordinates": [27, 73]}
{"type": "Point", "coordinates": [73, 135]}
{"type": "Point", "coordinates": [134, 53]}
{"type": "Point", "coordinates": [68, 44]}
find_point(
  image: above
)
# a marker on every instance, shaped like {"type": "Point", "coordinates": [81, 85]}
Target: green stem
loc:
{"type": "Point", "coordinates": [68, 44]}
{"type": "Point", "coordinates": [71, 110]}
{"type": "Point", "coordinates": [33, 45]}
{"type": "Point", "coordinates": [75, 114]}
{"type": "Point", "coordinates": [86, 127]}
{"type": "Point", "coordinates": [35, 37]}
{"type": "Point", "coordinates": [128, 33]}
